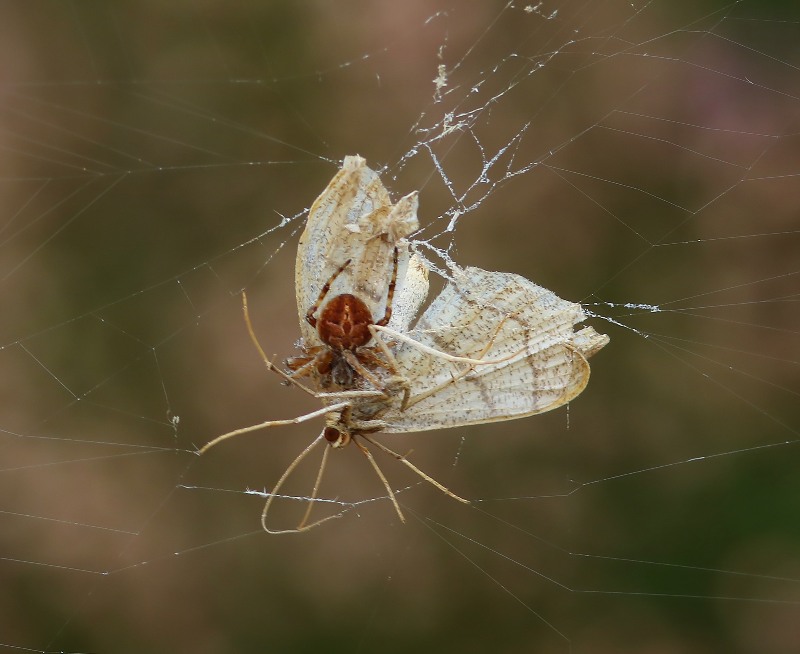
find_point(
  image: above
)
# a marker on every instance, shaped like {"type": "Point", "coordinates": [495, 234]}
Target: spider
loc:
{"type": "Point", "coordinates": [541, 365]}
{"type": "Point", "coordinates": [350, 416]}
{"type": "Point", "coordinates": [345, 328]}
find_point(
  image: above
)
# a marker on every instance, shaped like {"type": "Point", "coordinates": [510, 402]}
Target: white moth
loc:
{"type": "Point", "coordinates": [492, 346]}
{"type": "Point", "coordinates": [491, 316]}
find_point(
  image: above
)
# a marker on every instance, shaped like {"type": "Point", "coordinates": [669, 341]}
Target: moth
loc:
{"type": "Point", "coordinates": [492, 346]}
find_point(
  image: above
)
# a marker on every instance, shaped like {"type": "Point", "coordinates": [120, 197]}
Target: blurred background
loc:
{"type": "Point", "coordinates": [156, 158]}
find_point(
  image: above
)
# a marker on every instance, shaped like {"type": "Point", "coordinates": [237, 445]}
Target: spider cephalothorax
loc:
{"type": "Point", "coordinates": [344, 326]}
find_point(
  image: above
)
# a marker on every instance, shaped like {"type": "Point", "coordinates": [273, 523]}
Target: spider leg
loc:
{"type": "Point", "coordinates": [292, 381]}
{"type": "Point", "coordinates": [273, 494]}
{"type": "Point", "coordinates": [319, 365]}
{"type": "Point", "coordinates": [270, 366]}
{"type": "Point", "coordinates": [299, 363]}
{"type": "Point", "coordinates": [390, 293]}
{"type": "Point", "coordinates": [368, 356]}
{"type": "Point", "coordinates": [314, 491]}
{"type": "Point", "coordinates": [301, 366]}
{"type": "Point", "coordinates": [323, 292]}
{"type": "Point", "coordinates": [444, 355]}
{"type": "Point", "coordinates": [365, 451]}
{"type": "Point", "coordinates": [352, 359]}
{"type": "Point", "coordinates": [419, 472]}
{"type": "Point", "coordinates": [389, 363]}
{"type": "Point", "coordinates": [274, 423]}
{"type": "Point", "coordinates": [411, 401]}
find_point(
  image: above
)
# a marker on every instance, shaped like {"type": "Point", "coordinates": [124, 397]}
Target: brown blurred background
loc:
{"type": "Point", "coordinates": [149, 153]}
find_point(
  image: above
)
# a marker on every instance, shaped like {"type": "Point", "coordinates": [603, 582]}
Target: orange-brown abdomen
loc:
{"type": "Point", "coordinates": [344, 323]}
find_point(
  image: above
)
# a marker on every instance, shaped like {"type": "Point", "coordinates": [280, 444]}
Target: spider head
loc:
{"type": "Point", "coordinates": [336, 437]}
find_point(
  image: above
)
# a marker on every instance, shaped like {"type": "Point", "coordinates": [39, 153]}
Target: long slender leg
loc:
{"type": "Point", "coordinates": [302, 366]}
{"type": "Point", "coordinates": [411, 401]}
{"type": "Point", "coordinates": [444, 355]}
{"type": "Point", "coordinates": [352, 359]}
{"type": "Point", "coordinates": [270, 366]}
{"type": "Point", "coordinates": [277, 487]}
{"type": "Point", "coordinates": [390, 293]}
{"type": "Point", "coordinates": [323, 292]}
{"type": "Point", "coordinates": [419, 472]}
{"type": "Point", "coordinates": [381, 476]}
{"type": "Point", "coordinates": [390, 364]}
{"type": "Point", "coordinates": [315, 490]}
{"type": "Point", "coordinates": [274, 423]}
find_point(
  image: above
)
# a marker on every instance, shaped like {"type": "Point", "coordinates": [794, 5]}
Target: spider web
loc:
{"type": "Point", "coordinates": [637, 157]}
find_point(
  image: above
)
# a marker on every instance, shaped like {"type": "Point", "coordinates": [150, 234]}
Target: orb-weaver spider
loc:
{"type": "Point", "coordinates": [344, 329]}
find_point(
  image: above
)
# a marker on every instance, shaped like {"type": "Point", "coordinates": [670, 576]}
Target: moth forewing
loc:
{"type": "Point", "coordinates": [589, 342]}
{"type": "Point", "coordinates": [523, 387]}
{"type": "Point", "coordinates": [354, 191]}
{"type": "Point", "coordinates": [353, 220]}
{"type": "Point", "coordinates": [489, 316]}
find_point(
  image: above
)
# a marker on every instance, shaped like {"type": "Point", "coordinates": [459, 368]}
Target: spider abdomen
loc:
{"type": "Point", "coordinates": [344, 323]}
